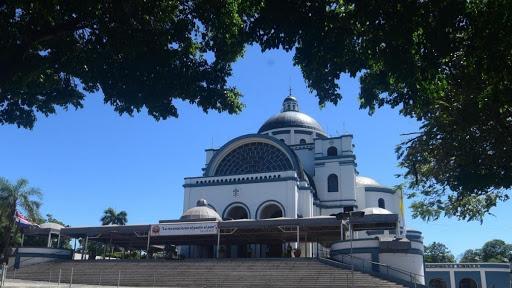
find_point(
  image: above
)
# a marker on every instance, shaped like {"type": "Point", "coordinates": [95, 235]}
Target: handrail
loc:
{"type": "Point", "coordinates": [389, 267]}
{"type": "Point", "coordinates": [414, 277]}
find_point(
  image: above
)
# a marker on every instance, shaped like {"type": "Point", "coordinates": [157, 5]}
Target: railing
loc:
{"type": "Point", "coordinates": [63, 277]}
{"type": "Point", "coordinates": [115, 277]}
{"type": "Point", "coordinates": [378, 269]}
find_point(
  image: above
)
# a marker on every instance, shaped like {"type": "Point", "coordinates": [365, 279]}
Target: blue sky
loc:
{"type": "Point", "coordinates": [87, 160]}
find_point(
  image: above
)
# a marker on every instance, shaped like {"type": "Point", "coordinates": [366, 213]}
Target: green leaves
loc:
{"type": "Point", "coordinates": [13, 197]}
{"type": "Point", "coordinates": [438, 253]}
{"type": "Point", "coordinates": [492, 251]}
{"type": "Point", "coordinates": [111, 217]}
{"type": "Point", "coordinates": [19, 196]}
{"type": "Point", "coordinates": [142, 55]}
{"type": "Point", "coordinates": [447, 64]}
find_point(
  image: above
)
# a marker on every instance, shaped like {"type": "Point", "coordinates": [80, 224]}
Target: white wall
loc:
{"type": "Point", "coordinates": [293, 138]}
{"type": "Point", "coordinates": [251, 194]}
{"type": "Point", "coordinates": [35, 255]}
{"type": "Point", "coordinates": [346, 181]}
{"type": "Point", "coordinates": [372, 200]}
{"type": "Point", "coordinates": [407, 262]}
{"type": "Point", "coordinates": [360, 197]}
{"type": "Point", "coordinates": [306, 156]}
{"type": "Point", "coordinates": [339, 165]}
{"type": "Point", "coordinates": [343, 143]}
{"type": "Point", "coordinates": [305, 203]}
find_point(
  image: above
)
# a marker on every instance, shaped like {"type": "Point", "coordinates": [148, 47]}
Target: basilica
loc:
{"type": "Point", "coordinates": [290, 168]}
{"type": "Point", "coordinates": [289, 190]}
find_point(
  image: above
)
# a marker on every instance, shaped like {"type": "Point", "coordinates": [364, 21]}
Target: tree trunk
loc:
{"type": "Point", "coordinates": [7, 234]}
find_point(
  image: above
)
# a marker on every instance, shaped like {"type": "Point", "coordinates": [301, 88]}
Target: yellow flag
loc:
{"type": "Point", "coordinates": [402, 203]}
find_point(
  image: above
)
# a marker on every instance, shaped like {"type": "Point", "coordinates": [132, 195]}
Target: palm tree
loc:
{"type": "Point", "coordinates": [122, 218]}
{"type": "Point", "coordinates": [14, 196]}
{"type": "Point", "coordinates": [111, 217]}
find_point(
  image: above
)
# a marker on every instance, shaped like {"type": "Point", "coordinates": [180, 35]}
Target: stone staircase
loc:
{"type": "Point", "coordinates": [200, 273]}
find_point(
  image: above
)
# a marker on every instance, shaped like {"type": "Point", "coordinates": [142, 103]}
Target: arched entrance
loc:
{"type": "Point", "coordinates": [437, 283]}
{"type": "Point", "coordinates": [268, 211]}
{"type": "Point", "coordinates": [237, 211]}
{"type": "Point", "coordinates": [271, 210]}
{"type": "Point", "coordinates": [467, 283]}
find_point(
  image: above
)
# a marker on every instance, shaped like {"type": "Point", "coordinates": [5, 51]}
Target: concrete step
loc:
{"type": "Point", "coordinates": [202, 273]}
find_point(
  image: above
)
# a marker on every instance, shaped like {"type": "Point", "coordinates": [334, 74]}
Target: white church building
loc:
{"type": "Point", "coordinates": [290, 168]}
{"type": "Point", "coordinates": [266, 194]}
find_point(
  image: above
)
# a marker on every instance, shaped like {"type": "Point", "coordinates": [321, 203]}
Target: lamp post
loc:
{"type": "Point", "coordinates": [344, 217]}
{"type": "Point", "coordinates": [352, 215]}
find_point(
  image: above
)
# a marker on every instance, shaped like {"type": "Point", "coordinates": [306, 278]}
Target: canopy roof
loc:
{"type": "Point", "coordinates": [323, 229]}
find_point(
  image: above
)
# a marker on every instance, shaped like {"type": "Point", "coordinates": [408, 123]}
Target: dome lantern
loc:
{"type": "Point", "coordinates": [290, 103]}
{"type": "Point", "coordinates": [291, 117]}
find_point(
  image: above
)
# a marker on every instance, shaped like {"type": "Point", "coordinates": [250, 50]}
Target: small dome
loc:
{"type": "Point", "coordinates": [51, 225]}
{"type": "Point", "coordinates": [290, 98]}
{"type": "Point", "coordinates": [201, 211]}
{"type": "Point", "coordinates": [375, 211]}
{"type": "Point", "coordinates": [366, 181]}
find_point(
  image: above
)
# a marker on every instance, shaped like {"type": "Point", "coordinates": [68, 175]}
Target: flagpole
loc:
{"type": "Point", "coordinates": [402, 214]}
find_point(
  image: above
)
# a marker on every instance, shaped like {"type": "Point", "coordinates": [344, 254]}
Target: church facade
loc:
{"type": "Point", "coordinates": [290, 168]}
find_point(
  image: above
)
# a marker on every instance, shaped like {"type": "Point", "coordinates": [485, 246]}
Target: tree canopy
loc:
{"type": "Point", "coordinates": [140, 54]}
{"type": "Point", "coordinates": [438, 253]}
{"type": "Point", "coordinates": [492, 251]}
{"type": "Point", "coordinates": [447, 64]}
{"type": "Point", "coordinates": [13, 197]}
{"type": "Point", "coordinates": [471, 256]}
{"type": "Point", "coordinates": [111, 217]}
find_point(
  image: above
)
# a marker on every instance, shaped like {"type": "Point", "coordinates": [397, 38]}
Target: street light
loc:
{"type": "Point", "coordinates": [344, 216]}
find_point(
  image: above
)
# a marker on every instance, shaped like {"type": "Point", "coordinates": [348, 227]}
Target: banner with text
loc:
{"type": "Point", "coordinates": [177, 229]}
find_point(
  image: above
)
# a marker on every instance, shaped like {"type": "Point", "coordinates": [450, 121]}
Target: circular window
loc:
{"type": "Point", "coordinates": [252, 158]}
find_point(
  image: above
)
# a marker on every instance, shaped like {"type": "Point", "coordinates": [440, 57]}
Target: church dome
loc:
{"type": "Point", "coordinates": [291, 117]}
{"type": "Point", "coordinates": [201, 211]}
{"type": "Point", "coordinates": [51, 225]}
{"type": "Point", "coordinates": [367, 181]}
{"type": "Point", "coordinates": [376, 211]}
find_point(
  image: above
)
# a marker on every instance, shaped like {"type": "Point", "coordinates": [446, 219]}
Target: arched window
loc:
{"type": "Point", "coordinates": [382, 203]}
{"type": "Point", "coordinates": [271, 211]}
{"type": "Point", "coordinates": [437, 283]}
{"type": "Point", "coordinates": [332, 183]}
{"type": "Point", "coordinates": [467, 283]}
{"type": "Point", "coordinates": [236, 212]}
{"type": "Point", "coordinates": [302, 141]}
{"type": "Point", "coordinates": [332, 151]}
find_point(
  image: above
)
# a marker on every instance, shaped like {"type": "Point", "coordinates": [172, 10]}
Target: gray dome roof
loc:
{"type": "Point", "coordinates": [290, 98]}
{"type": "Point", "coordinates": [51, 225]}
{"type": "Point", "coordinates": [290, 119]}
{"type": "Point", "coordinates": [375, 211]}
{"type": "Point", "coordinates": [367, 181]}
{"type": "Point", "coordinates": [201, 211]}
